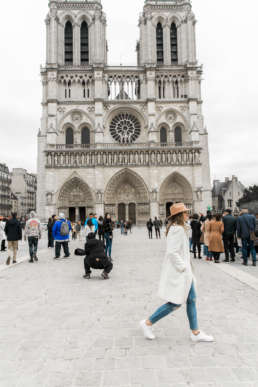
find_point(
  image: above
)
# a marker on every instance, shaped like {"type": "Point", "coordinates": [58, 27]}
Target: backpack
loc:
{"type": "Point", "coordinates": [64, 230]}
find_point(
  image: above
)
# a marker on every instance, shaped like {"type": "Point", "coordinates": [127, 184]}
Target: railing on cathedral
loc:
{"type": "Point", "coordinates": [123, 84]}
{"type": "Point", "coordinates": [123, 156]}
{"type": "Point", "coordinates": [189, 144]}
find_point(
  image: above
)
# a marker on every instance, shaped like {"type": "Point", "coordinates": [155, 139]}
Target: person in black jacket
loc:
{"type": "Point", "coordinates": [149, 225]}
{"type": "Point", "coordinates": [96, 257]}
{"type": "Point", "coordinates": [51, 222]}
{"type": "Point", "coordinates": [196, 235]}
{"type": "Point", "coordinates": [101, 228]}
{"type": "Point", "coordinates": [156, 224]}
{"type": "Point", "coordinates": [230, 226]}
{"type": "Point", "coordinates": [13, 233]}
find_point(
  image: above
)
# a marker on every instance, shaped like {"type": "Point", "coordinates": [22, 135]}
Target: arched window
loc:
{"type": "Point", "coordinates": [159, 38]}
{"type": "Point", "coordinates": [84, 43]}
{"type": "Point", "coordinates": [178, 136]}
{"type": "Point", "coordinates": [163, 136]}
{"type": "Point", "coordinates": [85, 137]}
{"type": "Point", "coordinates": [173, 44]}
{"type": "Point", "coordinates": [69, 137]}
{"type": "Point", "coordinates": [68, 43]}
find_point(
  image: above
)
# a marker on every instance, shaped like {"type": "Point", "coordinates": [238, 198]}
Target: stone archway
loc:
{"type": "Point", "coordinates": [127, 188]}
{"type": "Point", "coordinates": [175, 188]}
{"type": "Point", "coordinates": [75, 199]}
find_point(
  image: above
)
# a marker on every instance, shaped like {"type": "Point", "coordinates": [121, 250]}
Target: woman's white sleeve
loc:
{"type": "Point", "coordinates": [175, 249]}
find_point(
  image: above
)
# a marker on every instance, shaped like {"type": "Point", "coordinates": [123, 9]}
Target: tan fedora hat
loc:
{"type": "Point", "coordinates": [178, 208]}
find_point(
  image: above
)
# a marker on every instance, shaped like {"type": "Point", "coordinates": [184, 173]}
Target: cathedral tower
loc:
{"type": "Point", "coordinates": [125, 140]}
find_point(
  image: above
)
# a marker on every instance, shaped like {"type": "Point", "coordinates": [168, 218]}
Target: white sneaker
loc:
{"type": "Point", "coordinates": [147, 330]}
{"type": "Point", "coordinates": [202, 337]}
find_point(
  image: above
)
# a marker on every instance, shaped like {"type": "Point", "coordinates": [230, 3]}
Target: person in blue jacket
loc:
{"type": "Point", "coordinates": [61, 231]}
{"type": "Point", "coordinates": [94, 222]}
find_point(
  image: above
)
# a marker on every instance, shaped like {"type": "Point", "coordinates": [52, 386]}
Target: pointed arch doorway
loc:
{"type": "Point", "coordinates": [75, 199]}
{"type": "Point", "coordinates": [127, 197]}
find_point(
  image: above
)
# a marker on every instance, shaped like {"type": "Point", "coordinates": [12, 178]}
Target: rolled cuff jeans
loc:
{"type": "Point", "coordinates": [33, 246]}
{"type": "Point", "coordinates": [169, 307]}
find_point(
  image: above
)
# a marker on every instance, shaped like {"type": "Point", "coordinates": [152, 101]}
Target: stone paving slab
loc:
{"type": "Point", "coordinates": [58, 330]}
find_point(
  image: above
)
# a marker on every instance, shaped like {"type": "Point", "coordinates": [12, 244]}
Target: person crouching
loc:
{"type": "Point", "coordinates": [96, 257]}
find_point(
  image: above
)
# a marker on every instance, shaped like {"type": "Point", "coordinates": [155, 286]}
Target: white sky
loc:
{"type": "Point", "coordinates": [227, 33]}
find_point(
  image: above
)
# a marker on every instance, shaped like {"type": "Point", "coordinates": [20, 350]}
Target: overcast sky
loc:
{"type": "Point", "coordinates": [227, 36]}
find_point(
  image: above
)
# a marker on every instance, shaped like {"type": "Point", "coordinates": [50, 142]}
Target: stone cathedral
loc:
{"type": "Point", "coordinates": [128, 140]}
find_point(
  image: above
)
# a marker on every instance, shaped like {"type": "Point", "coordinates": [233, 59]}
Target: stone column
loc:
{"type": "Point", "coordinates": [53, 33]}
{"type": "Point", "coordinates": [166, 45]}
{"type": "Point", "coordinates": [77, 214]}
{"type": "Point", "coordinates": [76, 45]}
{"type": "Point", "coordinates": [47, 21]}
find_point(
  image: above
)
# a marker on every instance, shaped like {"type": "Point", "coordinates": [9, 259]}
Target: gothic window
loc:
{"type": "Point", "coordinates": [84, 44]}
{"type": "Point", "coordinates": [178, 136]}
{"type": "Point", "coordinates": [86, 89]}
{"type": "Point", "coordinates": [173, 43]}
{"type": "Point", "coordinates": [162, 89]}
{"type": "Point", "coordinates": [85, 136]}
{"type": "Point", "coordinates": [69, 140]}
{"type": "Point", "coordinates": [163, 136]}
{"type": "Point", "coordinates": [125, 128]}
{"type": "Point", "coordinates": [159, 38]}
{"type": "Point", "coordinates": [68, 86]}
{"type": "Point", "coordinates": [68, 43]}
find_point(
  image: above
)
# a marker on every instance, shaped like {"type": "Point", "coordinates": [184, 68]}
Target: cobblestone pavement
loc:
{"type": "Point", "coordinates": [59, 330]}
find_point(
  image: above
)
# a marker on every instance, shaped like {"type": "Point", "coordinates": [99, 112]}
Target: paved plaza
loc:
{"type": "Point", "coordinates": [59, 330]}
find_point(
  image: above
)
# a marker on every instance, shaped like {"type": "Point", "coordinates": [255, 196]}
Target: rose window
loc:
{"type": "Point", "coordinates": [125, 128]}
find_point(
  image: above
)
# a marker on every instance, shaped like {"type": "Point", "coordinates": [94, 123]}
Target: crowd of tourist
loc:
{"type": "Point", "coordinates": [223, 234]}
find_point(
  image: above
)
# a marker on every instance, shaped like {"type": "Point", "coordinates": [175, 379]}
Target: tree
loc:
{"type": "Point", "coordinates": [250, 194]}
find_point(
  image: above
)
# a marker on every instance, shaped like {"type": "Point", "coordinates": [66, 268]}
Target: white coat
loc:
{"type": "Point", "coordinates": [2, 233]}
{"type": "Point", "coordinates": [176, 274]}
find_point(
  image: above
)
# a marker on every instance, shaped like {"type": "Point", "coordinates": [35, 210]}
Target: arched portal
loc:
{"type": "Point", "coordinates": [75, 199]}
{"type": "Point", "coordinates": [127, 188]}
{"type": "Point", "coordinates": [175, 188]}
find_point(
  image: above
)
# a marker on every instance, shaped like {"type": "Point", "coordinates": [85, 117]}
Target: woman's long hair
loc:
{"type": "Point", "coordinates": [176, 220]}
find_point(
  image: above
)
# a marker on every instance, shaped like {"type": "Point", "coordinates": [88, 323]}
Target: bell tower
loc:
{"type": "Point", "coordinates": [76, 33]}
{"type": "Point", "coordinates": [167, 33]}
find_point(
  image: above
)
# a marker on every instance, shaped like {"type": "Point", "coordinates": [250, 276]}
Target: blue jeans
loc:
{"type": "Point", "coordinates": [168, 308]}
{"type": "Point", "coordinates": [108, 241]}
{"type": "Point", "coordinates": [248, 244]}
{"type": "Point", "coordinates": [206, 251]}
{"type": "Point", "coordinates": [33, 246]}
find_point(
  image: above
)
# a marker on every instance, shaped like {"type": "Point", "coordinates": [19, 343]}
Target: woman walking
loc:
{"type": "Point", "coordinates": [206, 235]}
{"type": "Point", "coordinates": [177, 283]}
{"type": "Point", "coordinates": [216, 229]}
{"type": "Point", "coordinates": [108, 234]}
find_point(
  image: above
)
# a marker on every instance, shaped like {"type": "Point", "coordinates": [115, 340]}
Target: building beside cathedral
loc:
{"type": "Point", "coordinates": [125, 140]}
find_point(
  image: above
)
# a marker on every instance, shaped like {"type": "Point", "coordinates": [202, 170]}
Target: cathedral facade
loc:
{"type": "Point", "coordinates": [125, 140]}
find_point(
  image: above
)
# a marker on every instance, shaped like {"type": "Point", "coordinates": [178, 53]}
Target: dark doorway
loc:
{"type": "Point", "coordinates": [132, 212]}
{"type": "Point", "coordinates": [82, 213]}
{"type": "Point", "coordinates": [72, 214]}
{"type": "Point", "coordinates": [121, 211]}
{"type": "Point", "coordinates": [168, 205]}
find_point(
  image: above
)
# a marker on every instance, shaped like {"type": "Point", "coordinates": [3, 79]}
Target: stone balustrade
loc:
{"type": "Point", "coordinates": [127, 157]}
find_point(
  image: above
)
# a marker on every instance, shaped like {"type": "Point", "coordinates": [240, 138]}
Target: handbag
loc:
{"type": "Point", "coordinates": [79, 252]}
{"type": "Point", "coordinates": [202, 239]}
{"type": "Point", "coordinates": [252, 236]}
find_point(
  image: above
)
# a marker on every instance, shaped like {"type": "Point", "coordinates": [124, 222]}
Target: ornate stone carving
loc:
{"type": "Point", "coordinates": [91, 108]}
{"type": "Point", "coordinates": [171, 116]}
{"type": "Point", "coordinates": [61, 109]}
{"type": "Point", "coordinates": [76, 117]}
